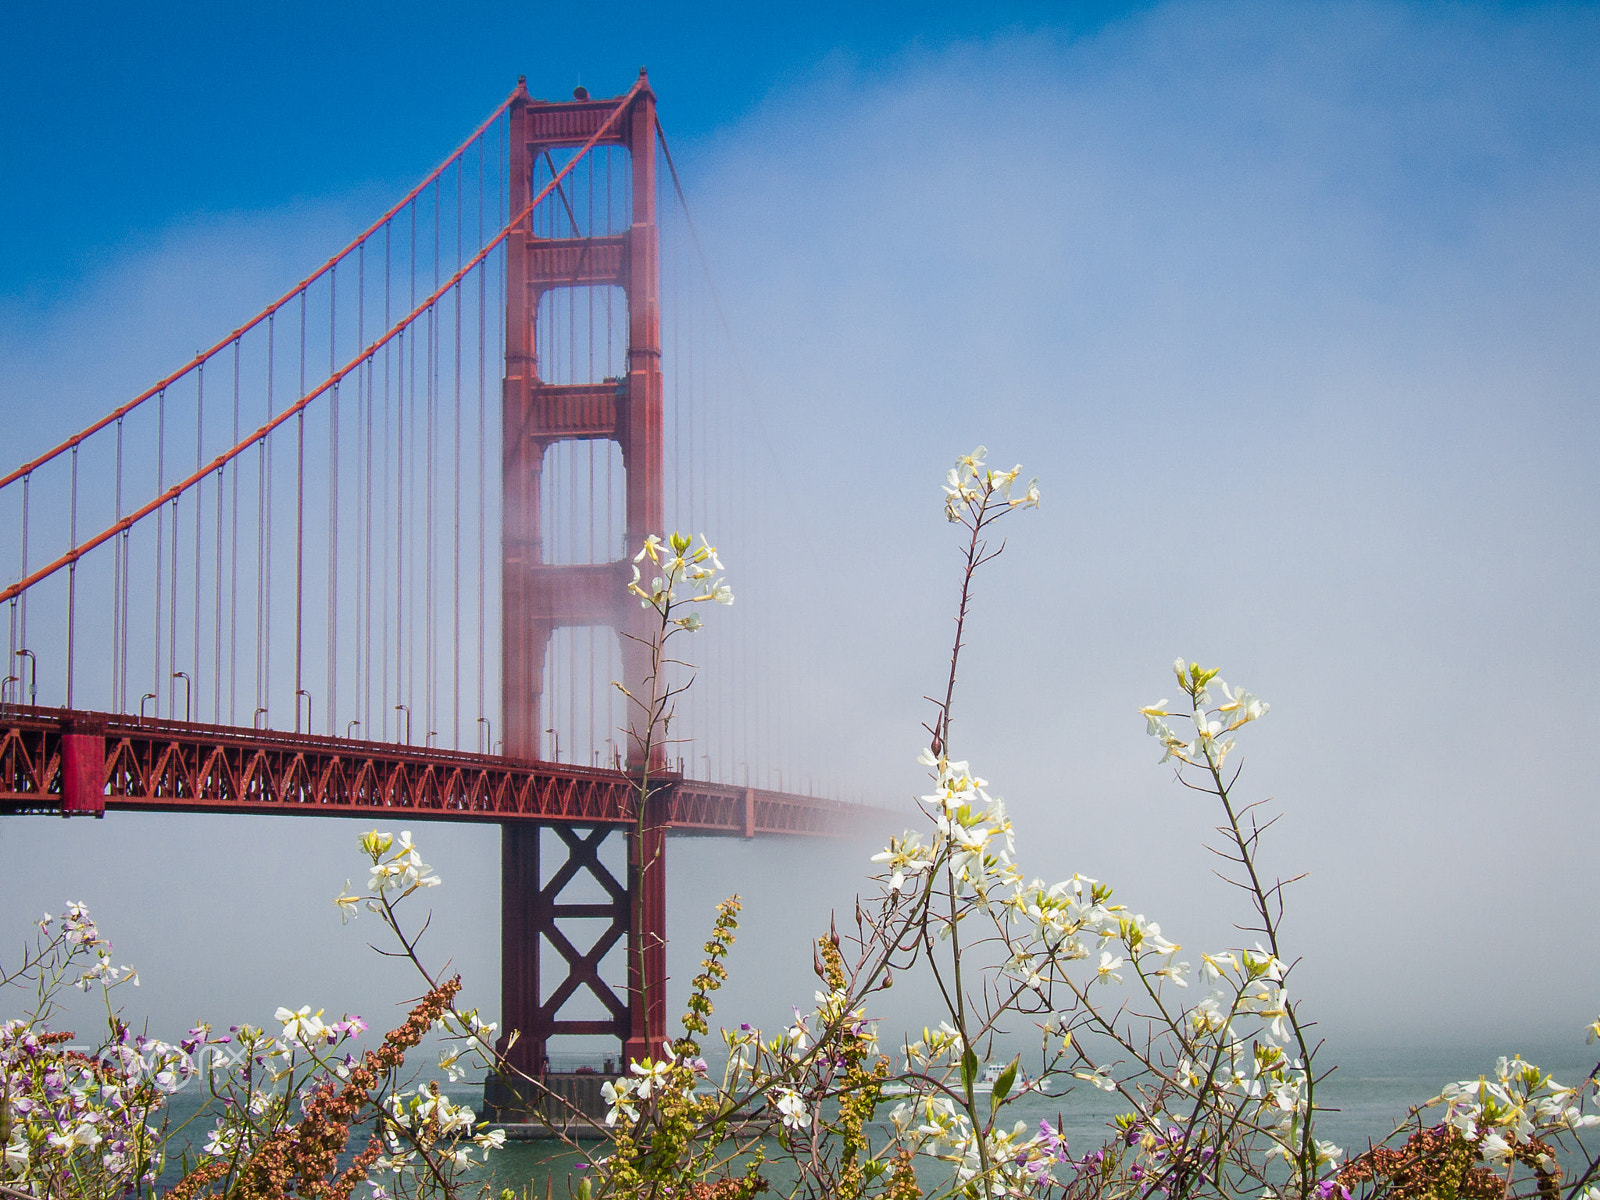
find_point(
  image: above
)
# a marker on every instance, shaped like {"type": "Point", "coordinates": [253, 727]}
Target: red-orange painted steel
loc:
{"type": "Point", "coordinates": [83, 771]}
{"type": "Point", "coordinates": [175, 766]}
{"type": "Point", "coordinates": [538, 597]}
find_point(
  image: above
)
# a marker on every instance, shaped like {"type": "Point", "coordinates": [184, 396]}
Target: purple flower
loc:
{"type": "Point", "coordinates": [1052, 1142]}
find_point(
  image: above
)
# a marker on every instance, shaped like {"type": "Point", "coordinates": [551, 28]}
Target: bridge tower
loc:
{"type": "Point", "coordinates": [539, 597]}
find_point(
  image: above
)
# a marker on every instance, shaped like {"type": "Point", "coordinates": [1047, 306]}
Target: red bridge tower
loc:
{"type": "Point", "coordinates": [539, 597]}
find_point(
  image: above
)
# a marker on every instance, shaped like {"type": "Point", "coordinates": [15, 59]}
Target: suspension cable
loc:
{"type": "Point", "coordinates": [300, 405]}
{"type": "Point", "coordinates": [161, 385]}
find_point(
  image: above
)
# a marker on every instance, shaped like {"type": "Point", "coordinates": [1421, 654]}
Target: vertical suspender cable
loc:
{"type": "Point", "coordinates": [123, 602]}
{"type": "Point", "coordinates": [617, 541]}
{"type": "Point", "coordinates": [483, 311]}
{"type": "Point", "coordinates": [402, 678]}
{"type": "Point", "coordinates": [359, 702]}
{"type": "Point", "coordinates": [11, 648]}
{"type": "Point", "coordinates": [502, 214]}
{"type": "Point", "coordinates": [22, 625]}
{"type": "Point", "coordinates": [593, 506]}
{"type": "Point", "coordinates": [216, 636]}
{"type": "Point", "coordinates": [119, 600]}
{"type": "Point", "coordinates": [364, 521]}
{"type": "Point", "coordinates": [406, 492]}
{"type": "Point", "coordinates": [199, 516]}
{"type": "Point", "coordinates": [72, 577]}
{"type": "Point", "coordinates": [267, 548]}
{"type": "Point", "coordinates": [575, 514]}
{"type": "Point", "coordinates": [172, 619]}
{"type": "Point", "coordinates": [331, 704]}
{"type": "Point", "coordinates": [233, 563]}
{"type": "Point", "coordinates": [161, 483]}
{"type": "Point", "coordinates": [263, 552]}
{"type": "Point", "coordinates": [455, 518]}
{"type": "Point", "coordinates": [432, 422]}
{"type": "Point", "coordinates": [388, 425]}
{"type": "Point", "coordinates": [300, 526]}
{"type": "Point", "coordinates": [573, 517]}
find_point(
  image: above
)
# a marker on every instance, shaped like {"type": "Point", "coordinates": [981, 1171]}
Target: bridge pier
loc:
{"type": "Point", "coordinates": [536, 922]}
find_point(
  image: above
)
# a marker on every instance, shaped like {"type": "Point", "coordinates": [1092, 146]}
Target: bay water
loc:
{"type": "Point", "coordinates": [1365, 1097]}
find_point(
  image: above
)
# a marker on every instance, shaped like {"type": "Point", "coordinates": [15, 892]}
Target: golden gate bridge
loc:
{"type": "Point", "coordinates": [281, 579]}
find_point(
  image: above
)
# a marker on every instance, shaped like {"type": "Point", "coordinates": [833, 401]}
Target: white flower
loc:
{"type": "Point", "coordinates": [1242, 706]}
{"type": "Point", "coordinates": [1208, 1016]}
{"type": "Point", "coordinates": [302, 1025]}
{"type": "Point", "coordinates": [348, 904]}
{"type": "Point", "coordinates": [906, 857]}
{"type": "Point", "coordinates": [1100, 1077]}
{"type": "Point", "coordinates": [1174, 972]}
{"type": "Point", "coordinates": [1152, 713]}
{"type": "Point", "coordinates": [652, 1076]}
{"type": "Point", "coordinates": [793, 1110]}
{"type": "Point", "coordinates": [618, 1095]}
{"type": "Point", "coordinates": [1188, 1076]}
{"type": "Point", "coordinates": [450, 1064]}
{"type": "Point", "coordinates": [494, 1139]}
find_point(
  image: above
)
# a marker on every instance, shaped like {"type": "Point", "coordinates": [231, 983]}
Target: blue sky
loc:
{"type": "Point", "coordinates": [1291, 307]}
{"type": "Point", "coordinates": [121, 118]}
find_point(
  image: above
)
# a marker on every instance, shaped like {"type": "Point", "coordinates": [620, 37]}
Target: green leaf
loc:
{"type": "Point", "coordinates": [969, 1070]}
{"type": "Point", "coordinates": [1003, 1085]}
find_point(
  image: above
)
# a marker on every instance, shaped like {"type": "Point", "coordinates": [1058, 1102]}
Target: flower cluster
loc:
{"type": "Point", "coordinates": [1519, 1118]}
{"type": "Point", "coordinates": [420, 1121]}
{"type": "Point", "coordinates": [72, 1115]}
{"type": "Point", "coordinates": [1227, 1070]}
{"type": "Point", "coordinates": [678, 564]}
{"type": "Point", "coordinates": [1521, 1104]}
{"type": "Point", "coordinates": [418, 1137]}
{"type": "Point", "coordinates": [971, 485]}
{"type": "Point", "coordinates": [1213, 726]}
{"type": "Point", "coordinates": [973, 837]}
{"type": "Point", "coordinates": [397, 870]}
{"type": "Point", "coordinates": [650, 1079]}
{"type": "Point", "coordinates": [1018, 1164]}
{"type": "Point", "coordinates": [87, 1119]}
{"type": "Point", "coordinates": [92, 1123]}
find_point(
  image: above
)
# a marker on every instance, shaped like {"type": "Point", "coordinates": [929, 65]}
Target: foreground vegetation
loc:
{"type": "Point", "coordinates": [1213, 1063]}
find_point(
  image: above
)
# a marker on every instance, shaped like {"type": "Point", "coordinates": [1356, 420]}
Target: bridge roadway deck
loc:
{"type": "Point", "coordinates": [176, 766]}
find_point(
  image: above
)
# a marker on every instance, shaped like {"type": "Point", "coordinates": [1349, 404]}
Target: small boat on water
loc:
{"type": "Point", "coordinates": [982, 1086]}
